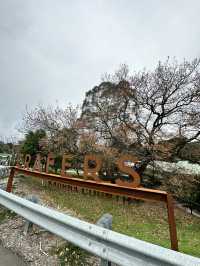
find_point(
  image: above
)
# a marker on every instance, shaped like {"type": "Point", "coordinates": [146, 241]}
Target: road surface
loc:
{"type": "Point", "coordinates": [7, 258]}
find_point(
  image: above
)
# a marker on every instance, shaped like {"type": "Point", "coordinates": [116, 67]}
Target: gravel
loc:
{"type": "Point", "coordinates": [35, 248]}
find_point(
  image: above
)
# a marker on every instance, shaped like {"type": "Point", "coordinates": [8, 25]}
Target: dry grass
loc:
{"type": "Point", "coordinates": [143, 220]}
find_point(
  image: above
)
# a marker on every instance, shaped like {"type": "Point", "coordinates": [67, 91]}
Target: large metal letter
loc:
{"type": "Point", "coordinates": [50, 161]}
{"type": "Point", "coordinates": [65, 164]}
{"type": "Point", "coordinates": [128, 170]}
{"type": "Point", "coordinates": [92, 172]}
{"type": "Point", "coordinates": [27, 161]}
{"type": "Point", "coordinates": [37, 164]}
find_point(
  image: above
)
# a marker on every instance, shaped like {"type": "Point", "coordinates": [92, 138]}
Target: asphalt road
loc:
{"type": "Point", "coordinates": [7, 258]}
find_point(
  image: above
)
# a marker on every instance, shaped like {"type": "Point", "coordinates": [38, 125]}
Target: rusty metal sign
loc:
{"type": "Point", "coordinates": [93, 182]}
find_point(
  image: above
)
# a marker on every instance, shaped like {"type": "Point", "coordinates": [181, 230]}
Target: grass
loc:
{"type": "Point", "coordinates": [143, 220]}
{"type": "Point", "coordinates": [5, 214]}
{"type": "Point", "coordinates": [71, 255]}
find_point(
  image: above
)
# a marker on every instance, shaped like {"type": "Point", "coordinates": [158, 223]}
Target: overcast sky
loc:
{"type": "Point", "coordinates": [56, 50]}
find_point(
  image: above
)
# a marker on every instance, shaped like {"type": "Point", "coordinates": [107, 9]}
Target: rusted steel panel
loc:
{"type": "Point", "coordinates": [139, 193]}
{"type": "Point", "coordinates": [108, 188]}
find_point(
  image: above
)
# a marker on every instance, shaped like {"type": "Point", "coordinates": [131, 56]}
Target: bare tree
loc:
{"type": "Point", "coordinates": [167, 99]}
{"type": "Point", "coordinates": [60, 125]}
{"type": "Point", "coordinates": [148, 106]}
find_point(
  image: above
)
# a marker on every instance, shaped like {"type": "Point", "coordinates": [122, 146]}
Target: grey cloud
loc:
{"type": "Point", "coordinates": [57, 50]}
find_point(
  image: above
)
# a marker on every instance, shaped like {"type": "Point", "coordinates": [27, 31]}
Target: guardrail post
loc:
{"type": "Point", "coordinates": [106, 222]}
{"type": "Point", "coordinates": [29, 224]}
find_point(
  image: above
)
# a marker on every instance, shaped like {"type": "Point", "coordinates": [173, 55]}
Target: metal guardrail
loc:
{"type": "Point", "coordinates": [106, 244]}
{"type": "Point", "coordinates": [112, 189]}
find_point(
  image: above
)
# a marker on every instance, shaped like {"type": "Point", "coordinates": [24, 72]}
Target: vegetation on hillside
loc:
{"type": "Point", "coordinates": [143, 220]}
